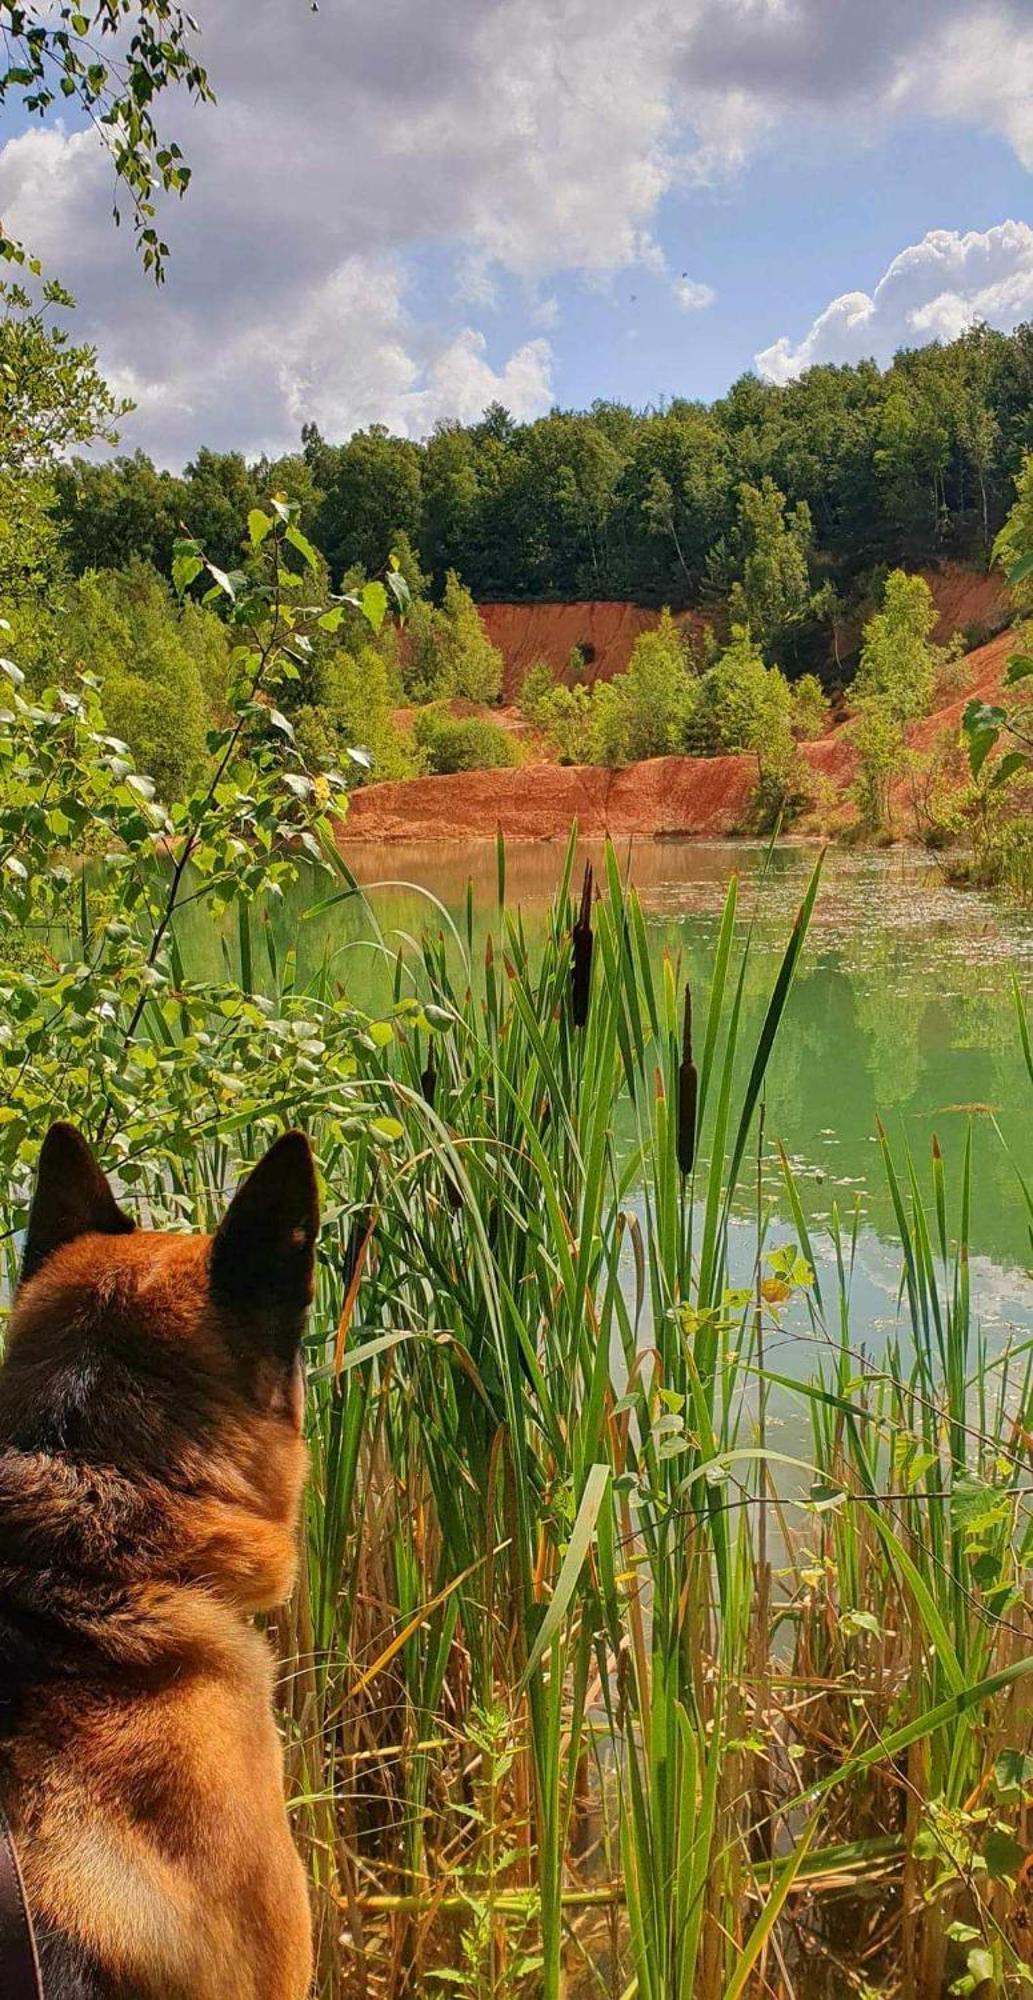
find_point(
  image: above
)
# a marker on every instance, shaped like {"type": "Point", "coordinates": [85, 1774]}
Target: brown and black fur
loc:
{"type": "Point", "coordinates": [151, 1468]}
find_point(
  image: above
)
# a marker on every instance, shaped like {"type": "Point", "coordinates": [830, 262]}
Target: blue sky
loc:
{"type": "Point", "coordinates": [415, 209]}
{"type": "Point", "coordinates": [804, 222]}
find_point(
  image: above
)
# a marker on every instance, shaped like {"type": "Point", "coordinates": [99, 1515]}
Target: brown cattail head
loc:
{"type": "Point", "coordinates": [688, 1090]}
{"type": "Point", "coordinates": [581, 963]}
{"type": "Point", "coordinates": [429, 1082]}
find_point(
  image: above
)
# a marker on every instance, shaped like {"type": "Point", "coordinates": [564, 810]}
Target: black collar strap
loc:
{"type": "Point", "coordinates": [19, 1966]}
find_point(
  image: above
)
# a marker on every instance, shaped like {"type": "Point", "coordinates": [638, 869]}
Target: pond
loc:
{"type": "Point", "coordinates": [903, 1009]}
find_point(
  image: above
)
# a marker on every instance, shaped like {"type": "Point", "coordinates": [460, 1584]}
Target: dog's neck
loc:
{"type": "Point", "coordinates": [99, 1569]}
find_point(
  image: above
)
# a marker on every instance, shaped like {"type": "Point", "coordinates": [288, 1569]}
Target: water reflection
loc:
{"type": "Point", "coordinates": [902, 1010]}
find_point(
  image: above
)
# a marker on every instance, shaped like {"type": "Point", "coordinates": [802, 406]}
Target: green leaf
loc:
{"type": "Point", "coordinates": [861, 1621]}
{"type": "Point", "coordinates": [1002, 1854]}
{"type": "Point", "coordinates": [982, 725]}
{"type": "Point", "coordinates": [1019, 668]}
{"type": "Point", "coordinates": [373, 600]}
{"type": "Point", "coordinates": [1013, 1772]}
{"type": "Point", "coordinates": [581, 1539]}
{"type": "Point", "coordinates": [259, 525]}
{"type": "Point", "coordinates": [387, 1128]}
{"type": "Point", "coordinates": [399, 589]}
{"type": "Point", "coordinates": [1013, 762]}
{"type": "Point", "coordinates": [222, 581]}
{"type": "Point", "coordinates": [304, 547]}
{"type": "Point", "coordinates": [976, 1506]}
{"type": "Point", "coordinates": [185, 567]}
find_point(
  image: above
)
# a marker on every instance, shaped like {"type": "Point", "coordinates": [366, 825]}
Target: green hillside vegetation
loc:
{"type": "Point", "coordinates": [788, 496]}
{"type": "Point", "coordinates": [793, 517]}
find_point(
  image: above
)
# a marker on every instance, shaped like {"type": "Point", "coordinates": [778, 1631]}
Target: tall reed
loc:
{"type": "Point", "coordinates": [588, 1687]}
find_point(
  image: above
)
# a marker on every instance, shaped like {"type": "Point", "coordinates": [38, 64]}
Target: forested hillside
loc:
{"type": "Point", "coordinates": [792, 493]}
{"type": "Point", "coordinates": [770, 555]}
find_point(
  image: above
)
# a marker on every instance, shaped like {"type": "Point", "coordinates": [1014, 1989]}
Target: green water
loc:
{"type": "Point", "coordinates": [902, 1010]}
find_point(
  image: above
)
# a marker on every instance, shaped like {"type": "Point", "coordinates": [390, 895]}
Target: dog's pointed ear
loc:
{"type": "Point", "coordinates": [263, 1252]}
{"type": "Point", "coordinates": [72, 1198]}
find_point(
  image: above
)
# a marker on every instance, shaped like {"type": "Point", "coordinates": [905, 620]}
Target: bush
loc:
{"type": "Point", "coordinates": [567, 717]}
{"type": "Point", "coordinates": [538, 685]}
{"type": "Point", "coordinates": [783, 777]}
{"type": "Point", "coordinates": [158, 667]}
{"type": "Point", "coordinates": [471, 743]}
{"type": "Point", "coordinates": [810, 710]}
{"type": "Point", "coordinates": [448, 651]}
{"type": "Point", "coordinates": [1015, 540]}
{"type": "Point", "coordinates": [883, 756]}
{"type": "Point", "coordinates": [353, 710]}
{"type": "Point", "coordinates": [730, 698]}
{"type": "Point", "coordinates": [953, 673]}
{"type": "Point", "coordinates": [645, 712]}
{"type": "Point", "coordinates": [937, 787]}
{"type": "Point", "coordinates": [898, 665]}
{"type": "Point", "coordinates": [420, 665]}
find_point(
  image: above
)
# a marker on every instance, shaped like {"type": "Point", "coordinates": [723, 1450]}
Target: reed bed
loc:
{"type": "Point", "coordinates": [624, 1662]}
{"type": "Point", "coordinates": [589, 1688]}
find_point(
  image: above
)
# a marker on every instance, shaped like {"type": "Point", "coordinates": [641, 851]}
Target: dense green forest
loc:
{"type": "Point", "coordinates": [794, 517]}
{"type": "Point", "coordinates": [868, 467]}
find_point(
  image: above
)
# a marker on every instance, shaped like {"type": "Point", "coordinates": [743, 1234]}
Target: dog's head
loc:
{"type": "Point", "coordinates": [171, 1363]}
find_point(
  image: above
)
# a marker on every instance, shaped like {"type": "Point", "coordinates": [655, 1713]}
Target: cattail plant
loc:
{"type": "Point", "coordinates": [688, 1089]}
{"type": "Point", "coordinates": [581, 964]}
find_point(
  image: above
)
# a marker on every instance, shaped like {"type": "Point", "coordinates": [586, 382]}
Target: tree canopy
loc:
{"type": "Point", "coordinates": [791, 493]}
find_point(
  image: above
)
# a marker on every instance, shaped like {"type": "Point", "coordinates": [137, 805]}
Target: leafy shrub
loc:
{"type": "Point", "coordinates": [448, 652]}
{"type": "Point", "coordinates": [953, 673]}
{"type": "Point", "coordinates": [810, 709]}
{"type": "Point", "coordinates": [783, 777]}
{"type": "Point", "coordinates": [470, 743]}
{"type": "Point", "coordinates": [936, 784]}
{"type": "Point", "coordinates": [352, 710]}
{"type": "Point", "coordinates": [157, 666]}
{"type": "Point", "coordinates": [999, 820]}
{"type": "Point", "coordinates": [568, 717]}
{"type": "Point", "coordinates": [538, 684]}
{"type": "Point", "coordinates": [1013, 549]}
{"type": "Point", "coordinates": [882, 753]}
{"type": "Point", "coordinates": [645, 711]}
{"type": "Point", "coordinates": [729, 699]}
{"type": "Point", "coordinates": [898, 665]}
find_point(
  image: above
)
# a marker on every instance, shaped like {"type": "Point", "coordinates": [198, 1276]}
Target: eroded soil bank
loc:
{"type": "Point", "coordinates": [663, 797]}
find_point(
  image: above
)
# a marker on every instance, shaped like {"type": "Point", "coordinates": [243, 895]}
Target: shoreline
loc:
{"type": "Point", "coordinates": [662, 798]}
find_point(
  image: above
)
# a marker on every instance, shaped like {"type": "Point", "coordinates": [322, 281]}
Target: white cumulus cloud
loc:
{"type": "Point", "coordinates": [356, 149]}
{"type": "Point", "coordinates": [693, 296]}
{"type": "Point", "coordinates": [980, 72]}
{"type": "Point", "coordinates": [932, 291]}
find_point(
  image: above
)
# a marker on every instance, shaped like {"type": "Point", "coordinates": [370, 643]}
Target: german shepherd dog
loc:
{"type": "Point", "coordinates": [151, 1469]}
